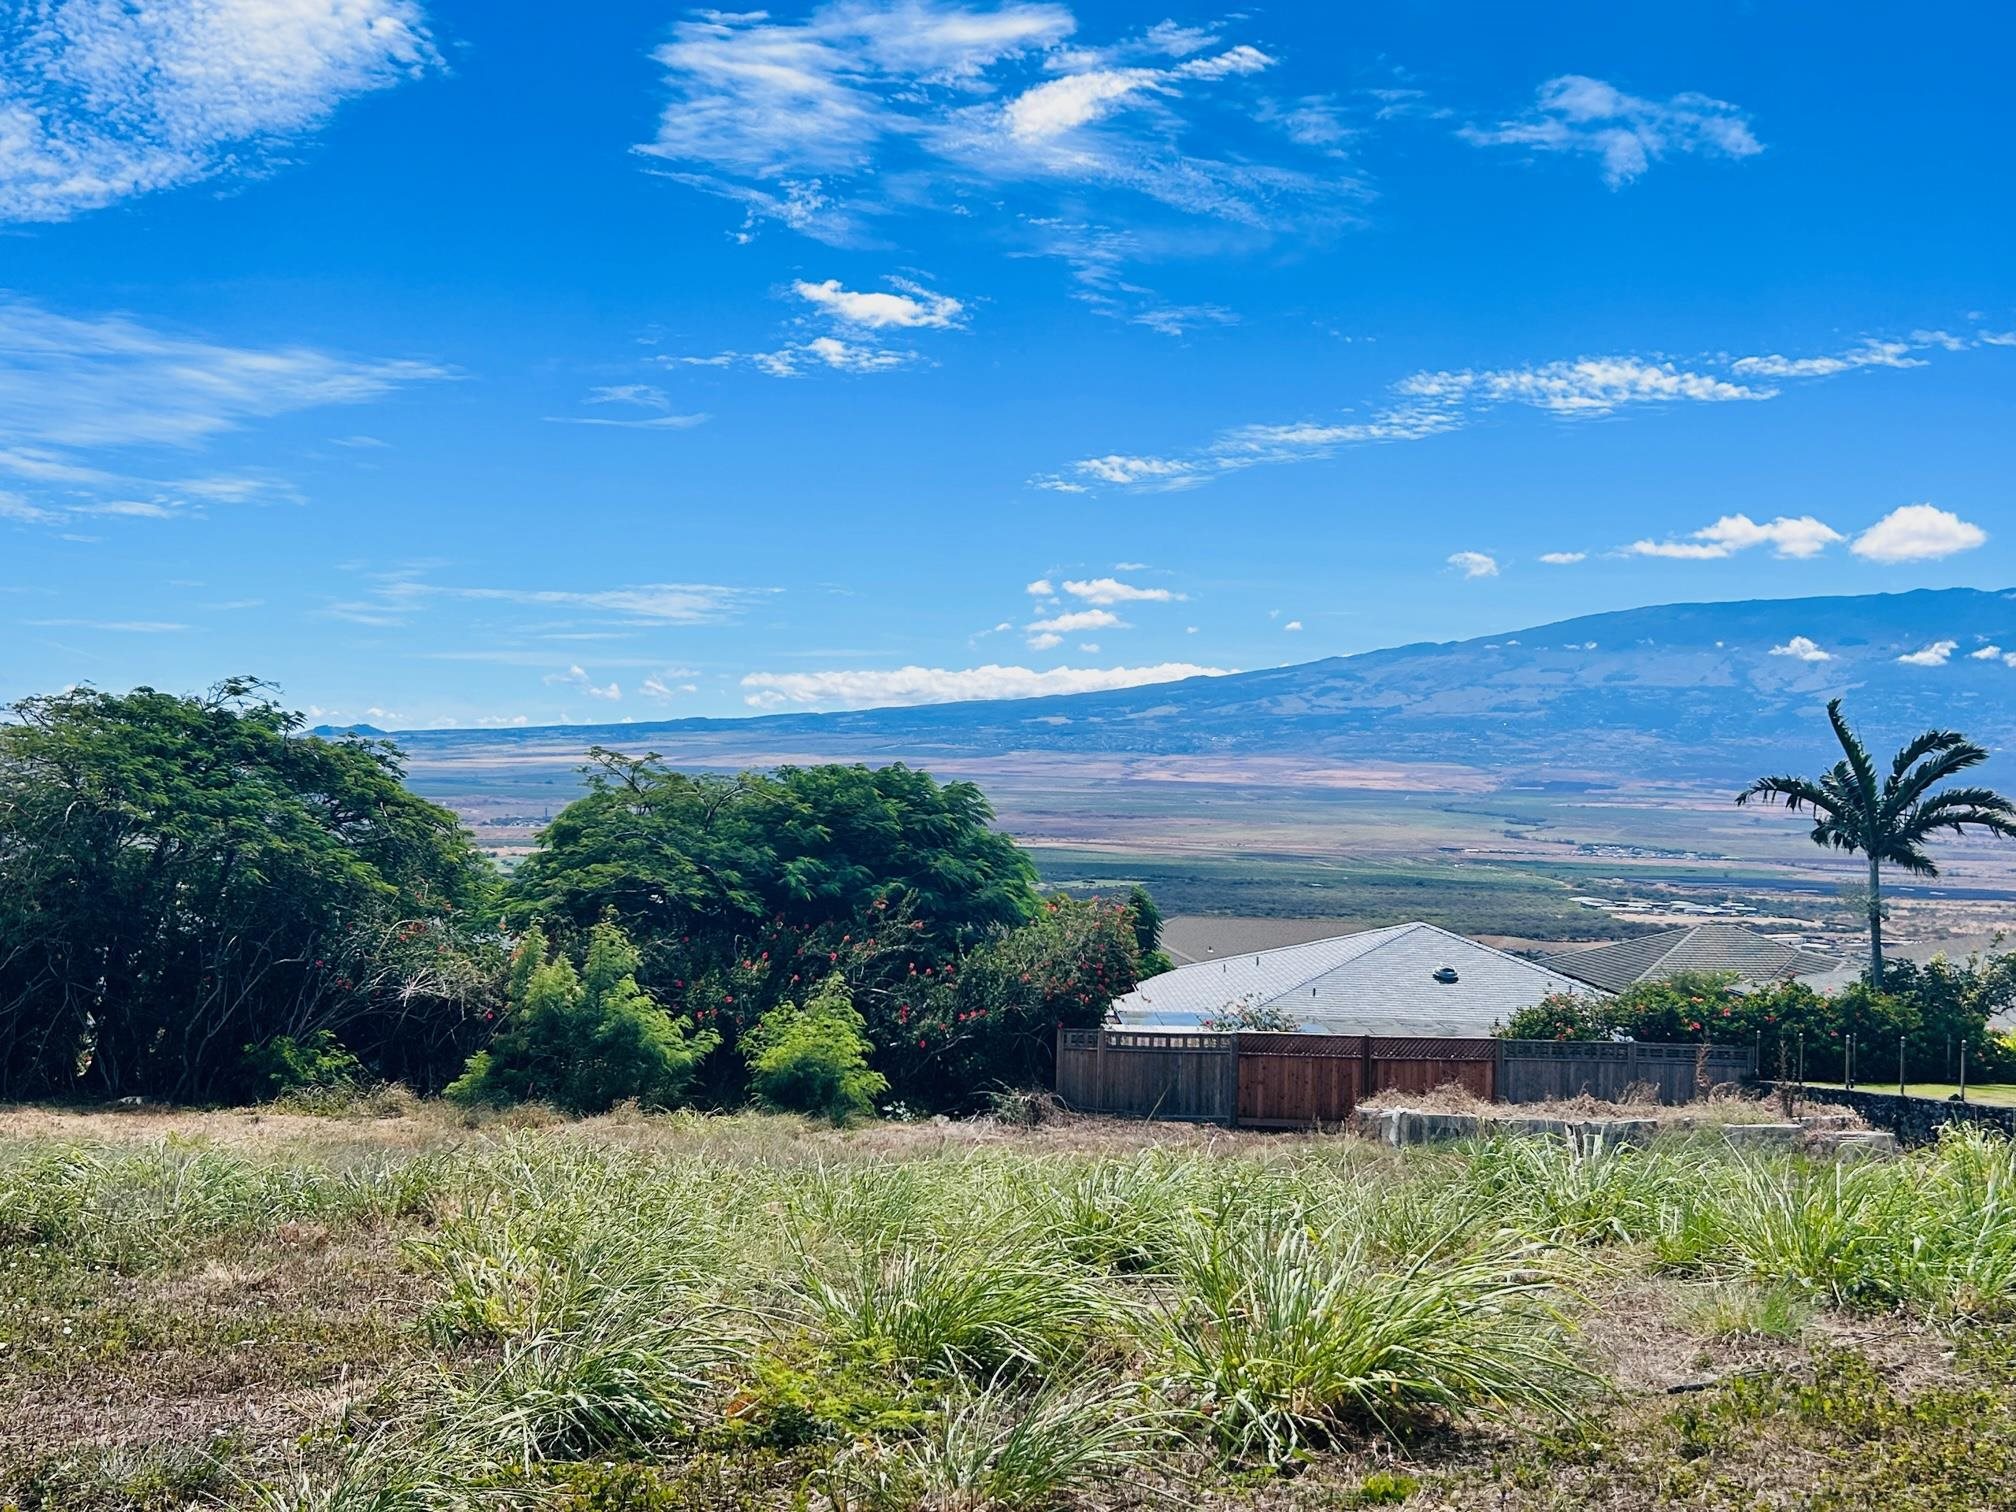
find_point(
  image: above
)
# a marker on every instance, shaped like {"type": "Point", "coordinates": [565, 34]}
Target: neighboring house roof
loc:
{"type": "Point", "coordinates": [1379, 982]}
{"type": "Point", "coordinates": [1730, 948]}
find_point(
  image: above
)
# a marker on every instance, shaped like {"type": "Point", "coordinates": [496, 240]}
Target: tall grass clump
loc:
{"type": "Point", "coordinates": [972, 1308]}
{"type": "Point", "coordinates": [995, 1445]}
{"type": "Point", "coordinates": [1283, 1340]}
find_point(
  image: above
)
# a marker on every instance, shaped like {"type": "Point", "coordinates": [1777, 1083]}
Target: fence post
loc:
{"type": "Point", "coordinates": [1498, 1072]}
{"type": "Point", "coordinates": [1099, 1067]}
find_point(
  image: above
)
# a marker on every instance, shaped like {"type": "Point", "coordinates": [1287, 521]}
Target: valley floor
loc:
{"type": "Point", "coordinates": [287, 1311]}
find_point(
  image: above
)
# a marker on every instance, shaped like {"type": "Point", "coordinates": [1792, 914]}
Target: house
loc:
{"type": "Point", "coordinates": [1406, 980]}
{"type": "Point", "coordinates": [1752, 958]}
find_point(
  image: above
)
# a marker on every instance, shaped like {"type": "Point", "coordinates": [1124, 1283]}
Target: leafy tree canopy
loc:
{"type": "Point", "coordinates": [181, 877]}
{"type": "Point", "coordinates": [672, 853]}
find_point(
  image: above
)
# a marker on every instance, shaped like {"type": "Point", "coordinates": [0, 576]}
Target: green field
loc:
{"type": "Point", "coordinates": [1994, 1095]}
{"type": "Point", "coordinates": [1473, 899]}
{"type": "Point", "coordinates": [399, 1312]}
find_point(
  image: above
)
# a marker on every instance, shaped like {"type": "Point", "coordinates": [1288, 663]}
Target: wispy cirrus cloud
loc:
{"type": "Point", "coordinates": [927, 685]}
{"type": "Point", "coordinates": [105, 100]}
{"type": "Point", "coordinates": [1626, 133]}
{"type": "Point", "coordinates": [399, 598]}
{"type": "Point", "coordinates": [1434, 402]}
{"type": "Point", "coordinates": [658, 412]}
{"type": "Point", "coordinates": [83, 397]}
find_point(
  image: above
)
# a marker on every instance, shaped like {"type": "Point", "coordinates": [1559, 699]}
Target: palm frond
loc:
{"type": "Point", "coordinates": [1998, 818]}
{"type": "Point", "coordinates": [1950, 761]}
{"type": "Point", "coordinates": [1924, 745]}
{"type": "Point", "coordinates": [1856, 752]}
{"type": "Point", "coordinates": [1796, 792]}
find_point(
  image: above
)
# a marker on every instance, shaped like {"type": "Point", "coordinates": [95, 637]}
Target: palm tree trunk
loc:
{"type": "Point", "coordinates": [1875, 927]}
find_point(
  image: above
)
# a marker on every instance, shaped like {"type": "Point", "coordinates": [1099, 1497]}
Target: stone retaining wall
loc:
{"type": "Point", "coordinates": [1914, 1120]}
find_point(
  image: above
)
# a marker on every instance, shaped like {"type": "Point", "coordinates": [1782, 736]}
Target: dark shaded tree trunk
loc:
{"type": "Point", "coordinates": [1875, 926]}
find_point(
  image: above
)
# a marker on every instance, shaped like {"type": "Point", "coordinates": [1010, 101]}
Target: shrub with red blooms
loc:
{"type": "Point", "coordinates": [995, 1023]}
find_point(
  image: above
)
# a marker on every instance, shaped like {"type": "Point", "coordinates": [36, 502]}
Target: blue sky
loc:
{"type": "Point", "coordinates": [459, 363]}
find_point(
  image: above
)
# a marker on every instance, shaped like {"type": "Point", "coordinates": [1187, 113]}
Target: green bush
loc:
{"type": "Point", "coordinates": [813, 1058]}
{"type": "Point", "coordinates": [583, 1041]}
{"type": "Point", "coordinates": [318, 1063]}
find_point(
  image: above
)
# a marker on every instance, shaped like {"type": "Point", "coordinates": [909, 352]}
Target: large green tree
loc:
{"type": "Point", "coordinates": [672, 853]}
{"type": "Point", "coordinates": [184, 877]}
{"type": "Point", "coordinates": [1888, 819]}
{"type": "Point", "coordinates": [744, 893]}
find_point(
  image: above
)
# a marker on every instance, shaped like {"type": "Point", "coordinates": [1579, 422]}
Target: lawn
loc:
{"type": "Point", "coordinates": [278, 1311]}
{"type": "Point", "coordinates": [1996, 1094]}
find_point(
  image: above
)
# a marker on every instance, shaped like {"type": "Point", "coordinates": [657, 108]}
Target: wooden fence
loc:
{"type": "Point", "coordinates": [1292, 1081]}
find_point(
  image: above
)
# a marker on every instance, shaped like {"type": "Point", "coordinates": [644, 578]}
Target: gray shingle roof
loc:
{"type": "Point", "coordinates": [1379, 982]}
{"type": "Point", "coordinates": [1750, 956]}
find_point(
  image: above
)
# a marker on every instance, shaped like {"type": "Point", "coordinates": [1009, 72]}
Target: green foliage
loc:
{"type": "Point", "coordinates": [319, 1063]}
{"type": "Point", "coordinates": [993, 1020]}
{"type": "Point", "coordinates": [181, 877]}
{"type": "Point", "coordinates": [814, 1058]}
{"type": "Point", "coordinates": [742, 892]}
{"type": "Point", "coordinates": [583, 1041]}
{"type": "Point", "coordinates": [1934, 1008]}
{"type": "Point", "coordinates": [1251, 1017]}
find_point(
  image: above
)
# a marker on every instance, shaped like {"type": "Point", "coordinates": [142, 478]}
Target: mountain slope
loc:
{"type": "Point", "coordinates": [1676, 689]}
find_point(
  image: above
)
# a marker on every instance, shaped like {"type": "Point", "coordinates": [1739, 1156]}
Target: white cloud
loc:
{"type": "Point", "coordinates": [1890, 354]}
{"type": "Point", "coordinates": [1108, 590]}
{"type": "Point", "coordinates": [1802, 648]}
{"type": "Point", "coordinates": [1292, 625]}
{"type": "Point", "coordinates": [1935, 655]}
{"type": "Point", "coordinates": [910, 308]}
{"type": "Point", "coordinates": [1045, 641]}
{"type": "Point", "coordinates": [577, 678]}
{"type": "Point", "coordinates": [1627, 134]}
{"type": "Point", "coordinates": [1040, 588]}
{"type": "Point", "coordinates": [1075, 620]}
{"type": "Point", "coordinates": [808, 122]}
{"type": "Point", "coordinates": [1986, 653]}
{"type": "Point", "coordinates": [1794, 537]}
{"type": "Point", "coordinates": [104, 100]}
{"type": "Point", "coordinates": [395, 599]}
{"type": "Point", "coordinates": [1917, 533]}
{"type": "Point", "coordinates": [1563, 558]}
{"type": "Point", "coordinates": [109, 381]}
{"type": "Point", "coordinates": [657, 686]}
{"type": "Point", "coordinates": [926, 685]}
{"type": "Point", "coordinates": [1585, 386]}
{"type": "Point", "coordinates": [1422, 405]}
{"type": "Point", "coordinates": [1060, 105]}
{"type": "Point", "coordinates": [1129, 470]}
{"type": "Point", "coordinates": [1474, 564]}
{"type": "Point", "coordinates": [74, 391]}
{"type": "Point", "coordinates": [119, 627]}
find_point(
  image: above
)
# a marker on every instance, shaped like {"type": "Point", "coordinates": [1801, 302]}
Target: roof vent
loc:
{"type": "Point", "coordinates": [1445, 973]}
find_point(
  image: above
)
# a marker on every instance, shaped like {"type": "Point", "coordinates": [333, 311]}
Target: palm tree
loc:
{"type": "Point", "coordinates": [1890, 822]}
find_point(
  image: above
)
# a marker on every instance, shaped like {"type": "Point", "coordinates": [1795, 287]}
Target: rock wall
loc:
{"type": "Point", "coordinates": [1914, 1120]}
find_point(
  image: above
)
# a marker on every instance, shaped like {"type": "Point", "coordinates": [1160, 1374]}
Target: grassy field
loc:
{"type": "Point", "coordinates": [1479, 900]}
{"type": "Point", "coordinates": [278, 1311]}
{"type": "Point", "coordinates": [2000, 1095]}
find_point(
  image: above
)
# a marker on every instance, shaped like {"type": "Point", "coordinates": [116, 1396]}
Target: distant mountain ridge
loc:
{"type": "Point", "coordinates": [1705, 689]}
